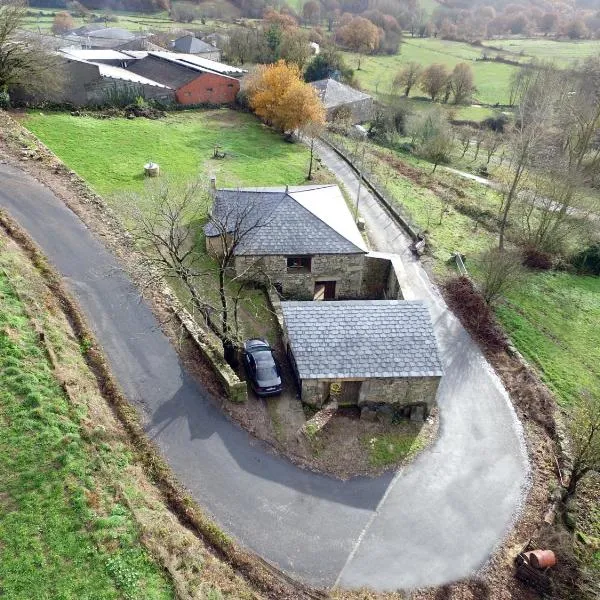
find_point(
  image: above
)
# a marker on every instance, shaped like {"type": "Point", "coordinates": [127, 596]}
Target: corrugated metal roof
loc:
{"type": "Point", "coordinates": [362, 338]}
{"type": "Point", "coordinates": [126, 75]}
{"type": "Point", "coordinates": [92, 55]}
{"type": "Point", "coordinates": [199, 63]}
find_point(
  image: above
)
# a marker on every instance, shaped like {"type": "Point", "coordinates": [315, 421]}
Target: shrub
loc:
{"type": "Point", "coordinates": [474, 313]}
{"type": "Point", "coordinates": [496, 123]}
{"type": "Point", "coordinates": [537, 259]}
{"type": "Point", "coordinates": [588, 260]}
{"type": "Point", "coordinates": [4, 99]}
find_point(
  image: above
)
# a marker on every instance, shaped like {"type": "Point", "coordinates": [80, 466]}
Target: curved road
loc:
{"type": "Point", "coordinates": [434, 522]}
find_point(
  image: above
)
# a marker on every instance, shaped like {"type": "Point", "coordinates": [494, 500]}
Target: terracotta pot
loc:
{"type": "Point", "coordinates": [542, 559]}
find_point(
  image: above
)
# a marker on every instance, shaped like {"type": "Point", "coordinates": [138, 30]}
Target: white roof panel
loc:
{"type": "Point", "coordinates": [328, 205]}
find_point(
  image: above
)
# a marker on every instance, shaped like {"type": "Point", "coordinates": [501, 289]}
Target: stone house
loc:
{"type": "Point", "coordinates": [302, 240]}
{"type": "Point", "coordinates": [337, 96]}
{"type": "Point", "coordinates": [379, 355]}
{"type": "Point", "coordinates": [188, 44]}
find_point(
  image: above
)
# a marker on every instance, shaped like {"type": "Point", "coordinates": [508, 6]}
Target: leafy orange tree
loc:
{"type": "Point", "coordinates": [279, 96]}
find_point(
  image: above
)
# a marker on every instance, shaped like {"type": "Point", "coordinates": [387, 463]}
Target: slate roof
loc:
{"type": "Point", "coordinates": [301, 220]}
{"type": "Point", "coordinates": [192, 45]}
{"type": "Point", "coordinates": [362, 339]}
{"type": "Point", "coordinates": [333, 93]}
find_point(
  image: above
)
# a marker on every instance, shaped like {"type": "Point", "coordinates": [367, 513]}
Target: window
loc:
{"type": "Point", "coordinates": [209, 89]}
{"type": "Point", "coordinates": [230, 85]}
{"type": "Point", "coordinates": [299, 264]}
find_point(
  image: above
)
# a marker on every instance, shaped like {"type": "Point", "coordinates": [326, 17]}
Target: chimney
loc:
{"type": "Point", "coordinates": [213, 184]}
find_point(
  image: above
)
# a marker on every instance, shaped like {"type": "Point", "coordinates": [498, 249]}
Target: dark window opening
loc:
{"type": "Point", "coordinates": [298, 264]}
{"type": "Point", "coordinates": [209, 89]}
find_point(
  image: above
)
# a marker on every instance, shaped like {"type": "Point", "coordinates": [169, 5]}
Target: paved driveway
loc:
{"type": "Point", "coordinates": [434, 522]}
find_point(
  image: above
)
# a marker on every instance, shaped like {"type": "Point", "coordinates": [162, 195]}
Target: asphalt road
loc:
{"type": "Point", "coordinates": [432, 523]}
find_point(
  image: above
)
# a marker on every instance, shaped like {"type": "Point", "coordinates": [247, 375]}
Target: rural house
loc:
{"type": "Point", "coordinates": [379, 355]}
{"type": "Point", "coordinates": [195, 80]}
{"type": "Point", "coordinates": [98, 36]}
{"type": "Point", "coordinates": [303, 240]}
{"type": "Point", "coordinates": [337, 96]}
{"type": "Point", "coordinates": [188, 44]}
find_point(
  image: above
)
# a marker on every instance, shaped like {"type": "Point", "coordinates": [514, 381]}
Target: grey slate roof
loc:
{"type": "Point", "coordinates": [192, 45]}
{"type": "Point", "coordinates": [333, 93]}
{"type": "Point", "coordinates": [362, 338]}
{"type": "Point", "coordinates": [283, 225]}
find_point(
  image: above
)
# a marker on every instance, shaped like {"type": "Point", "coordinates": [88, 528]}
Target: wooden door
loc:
{"type": "Point", "coordinates": [324, 290]}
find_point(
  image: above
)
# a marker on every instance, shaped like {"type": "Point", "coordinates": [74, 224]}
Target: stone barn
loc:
{"type": "Point", "coordinates": [379, 355]}
{"type": "Point", "coordinates": [337, 96]}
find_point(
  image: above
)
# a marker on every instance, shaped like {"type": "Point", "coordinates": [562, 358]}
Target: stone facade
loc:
{"type": "Point", "coordinates": [345, 269]}
{"type": "Point", "coordinates": [375, 393]}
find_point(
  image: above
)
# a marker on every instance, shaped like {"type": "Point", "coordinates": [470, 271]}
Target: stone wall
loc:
{"type": "Point", "coordinates": [396, 393]}
{"type": "Point", "coordinates": [381, 277]}
{"type": "Point", "coordinates": [345, 269]}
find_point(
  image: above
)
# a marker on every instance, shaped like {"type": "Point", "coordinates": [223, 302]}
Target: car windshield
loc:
{"type": "Point", "coordinates": [265, 372]}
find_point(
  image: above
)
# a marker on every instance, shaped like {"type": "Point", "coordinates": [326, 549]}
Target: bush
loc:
{"type": "Point", "coordinates": [496, 123]}
{"type": "Point", "coordinates": [536, 259]}
{"type": "Point", "coordinates": [475, 315]}
{"type": "Point", "coordinates": [4, 99]}
{"type": "Point", "coordinates": [588, 260]}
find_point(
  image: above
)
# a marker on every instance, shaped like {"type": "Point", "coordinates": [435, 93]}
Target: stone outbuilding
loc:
{"type": "Point", "coordinates": [303, 240]}
{"type": "Point", "coordinates": [379, 355]}
{"type": "Point", "coordinates": [337, 96]}
{"type": "Point", "coordinates": [188, 44]}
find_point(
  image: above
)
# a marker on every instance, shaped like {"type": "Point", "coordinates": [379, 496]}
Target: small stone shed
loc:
{"type": "Point", "coordinates": [189, 44]}
{"type": "Point", "coordinates": [379, 354]}
{"type": "Point", "coordinates": [336, 95]}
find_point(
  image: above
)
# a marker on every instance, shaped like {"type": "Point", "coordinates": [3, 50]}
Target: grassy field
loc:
{"type": "Point", "coordinates": [560, 51]}
{"type": "Point", "coordinates": [553, 319]}
{"type": "Point", "coordinates": [63, 530]}
{"type": "Point", "coordinates": [115, 150]}
{"type": "Point", "coordinates": [377, 72]}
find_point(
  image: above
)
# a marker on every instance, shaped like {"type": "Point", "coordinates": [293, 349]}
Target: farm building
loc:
{"type": "Point", "coordinates": [195, 80]}
{"type": "Point", "coordinates": [97, 36]}
{"type": "Point", "coordinates": [337, 96]}
{"type": "Point", "coordinates": [302, 240]}
{"type": "Point", "coordinates": [96, 82]}
{"type": "Point", "coordinates": [188, 44]}
{"type": "Point", "coordinates": [378, 354]}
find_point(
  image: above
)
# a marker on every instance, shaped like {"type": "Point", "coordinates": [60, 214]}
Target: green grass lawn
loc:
{"type": "Point", "coordinates": [110, 153]}
{"type": "Point", "coordinates": [55, 541]}
{"type": "Point", "coordinates": [561, 51]}
{"type": "Point", "coordinates": [553, 319]}
{"type": "Point", "coordinates": [377, 72]}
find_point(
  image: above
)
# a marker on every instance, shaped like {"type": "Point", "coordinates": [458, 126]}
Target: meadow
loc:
{"type": "Point", "coordinates": [64, 530]}
{"type": "Point", "coordinates": [377, 73]}
{"type": "Point", "coordinates": [110, 153]}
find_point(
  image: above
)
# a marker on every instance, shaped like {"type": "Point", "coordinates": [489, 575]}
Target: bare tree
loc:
{"type": "Point", "coordinates": [461, 82]}
{"type": "Point", "coordinates": [24, 62]}
{"type": "Point", "coordinates": [408, 77]}
{"type": "Point", "coordinates": [500, 271]}
{"type": "Point", "coordinates": [311, 131]}
{"type": "Point", "coordinates": [491, 142]}
{"type": "Point", "coordinates": [434, 80]}
{"type": "Point", "coordinates": [534, 119]}
{"type": "Point", "coordinates": [584, 429]}
{"type": "Point", "coordinates": [166, 231]}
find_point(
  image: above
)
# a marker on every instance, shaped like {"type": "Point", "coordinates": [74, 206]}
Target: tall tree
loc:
{"type": "Point", "coordinates": [434, 80]}
{"type": "Point", "coordinates": [408, 77]}
{"type": "Point", "coordinates": [359, 35]}
{"type": "Point", "coordinates": [166, 230]}
{"type": "Point", "coordinates": [461, 82]}
{"type": "Point", "coordinates": [24, 62]}
{"type": "Point", "coordinates": [280, 97]}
